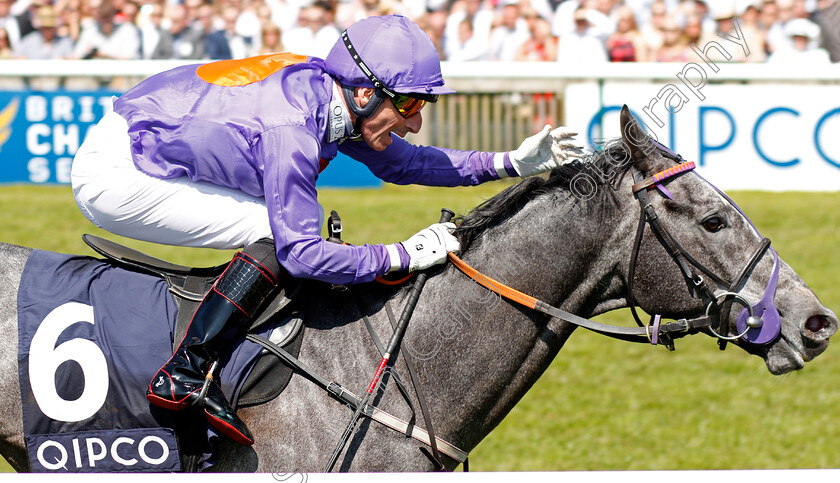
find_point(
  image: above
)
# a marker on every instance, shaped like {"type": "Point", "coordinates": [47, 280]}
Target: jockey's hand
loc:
{"type": "Point", "coordinates": [430, 246]}
{"type": "Point", "coordinates": [545, 151]}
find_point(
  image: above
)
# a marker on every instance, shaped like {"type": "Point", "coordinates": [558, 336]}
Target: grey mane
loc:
{"type": "Point", "coordinates": [501, 206]}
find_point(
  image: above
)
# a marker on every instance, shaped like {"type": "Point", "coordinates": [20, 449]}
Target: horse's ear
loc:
{"type": "Point", "coordinates": [637, 142]}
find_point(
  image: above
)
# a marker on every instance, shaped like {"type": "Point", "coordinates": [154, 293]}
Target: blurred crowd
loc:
{"type": "Point", "coordinates": [580, 31]}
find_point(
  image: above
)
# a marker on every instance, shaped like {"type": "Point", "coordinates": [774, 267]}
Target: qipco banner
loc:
{"type": "Point", "coordinates": [40, 132]}
{"type": "Point", "coordinates": [777, 137]}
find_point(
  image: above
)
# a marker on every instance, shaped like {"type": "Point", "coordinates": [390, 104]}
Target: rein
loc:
{"type": "Point", "coordinates": [752, 327]}
{"type": "Point", "coordinates": [647, 334]}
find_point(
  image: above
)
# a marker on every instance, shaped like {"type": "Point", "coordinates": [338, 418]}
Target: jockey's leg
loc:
{"type": "Point", "coordinates": [222, 318]}
{"type": "Point", "coordinates": [116, 196]}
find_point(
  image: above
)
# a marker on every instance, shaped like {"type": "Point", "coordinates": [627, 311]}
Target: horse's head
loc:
{"type": "Point", "coordinates": [699, 255]}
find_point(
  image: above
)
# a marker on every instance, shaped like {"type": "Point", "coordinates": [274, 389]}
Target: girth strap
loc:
{"type": "Point", "coordinates": [434, 456]}
{"type": "Point", "coordinates": [394, 375]}
{"type": "Point", "coordinates": [347, 397]}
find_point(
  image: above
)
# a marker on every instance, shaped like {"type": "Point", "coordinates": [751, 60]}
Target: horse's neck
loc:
{"type": "Point", "coordinates": [492, 351]}
{"type": "Point", "coordinates": [561, 251]}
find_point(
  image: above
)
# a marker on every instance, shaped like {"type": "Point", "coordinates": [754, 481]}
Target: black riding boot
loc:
{"type": "Point", "coordinates": [222, 318]}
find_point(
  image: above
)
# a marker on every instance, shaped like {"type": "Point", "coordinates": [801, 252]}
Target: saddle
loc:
{"type": "Point", "coordinates": [188, 285]}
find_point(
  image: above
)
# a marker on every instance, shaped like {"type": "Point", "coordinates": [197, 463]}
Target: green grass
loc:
{"type": "Point", "coordinates": [603, 404]}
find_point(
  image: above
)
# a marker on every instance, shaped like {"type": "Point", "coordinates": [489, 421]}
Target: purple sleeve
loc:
{"type": "Point", "coordinates": [405, 163]}
{"type": "Point", "coordinates": [405, 260]}
{"type": "Point", "coordinates": [291, 199]}
{"type": "Point", "coordinates": [509, 169]}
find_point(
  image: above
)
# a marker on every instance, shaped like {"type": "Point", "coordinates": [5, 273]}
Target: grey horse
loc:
{"type": "Point", "coordinates": [567, 240]}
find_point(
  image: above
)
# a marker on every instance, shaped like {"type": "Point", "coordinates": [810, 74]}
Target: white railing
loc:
{"type": "Point", "coordinates": [458, 71]}
{"type": "Point", "coordinates": [497, 103]}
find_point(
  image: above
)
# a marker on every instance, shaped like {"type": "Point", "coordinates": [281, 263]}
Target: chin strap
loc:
{"type": "Point", "coordinates": [361, 113]}
{"type": "Point", "coordinates": [356, 134]}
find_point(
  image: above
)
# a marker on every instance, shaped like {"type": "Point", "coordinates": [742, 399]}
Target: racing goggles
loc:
{"type": "Point", "coordinates": [409, 106]}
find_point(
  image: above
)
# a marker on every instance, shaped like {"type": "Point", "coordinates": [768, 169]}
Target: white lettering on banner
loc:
{"type": "Point", "coordinates": [39, 170]}
{"type": "Point", "coordinates": [86, 105]}
{"type": "Point", "coordinates": [62, 108]}
{"type": "Point", "coordinates": [57, 127]}
{"type": "Point", "coordinates": [65, 139]}
{"type": "Point", "coordinates": [62, 169]}
{"type": "Point", "coordinates": [65, 108]}
{"type": "Point", "coordinates": [33, 141]}
{"type": "Point", "coordinates": [93, 455]}
{"type": "Point", "coordinates": [59, 461]}
{"type": "Point", "coordinates": [145, 457]}
{"type": "Point", "coordinates": [36, 108]}
{"type": "Point", "coordinates": [77, 453]}
{"type": "Point", "coordinates": [97, 450]}
{"type": "Point", "coordinates": [115, 451]}
{"type": "Point", "coordinates": [106, 104]}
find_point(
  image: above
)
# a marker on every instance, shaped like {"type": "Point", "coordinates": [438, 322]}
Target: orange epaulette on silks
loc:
{"type": "Point", "coordinates": [241, 72]}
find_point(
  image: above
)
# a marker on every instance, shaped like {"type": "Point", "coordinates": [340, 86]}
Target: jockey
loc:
{"type": "Point", "coordinates": [226, 155]}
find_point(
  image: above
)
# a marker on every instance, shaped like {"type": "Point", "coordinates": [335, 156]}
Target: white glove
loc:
{"type": "Point", "coordinates": [545, 151]}
{"type": "Point", "coordinates": [430, 246]}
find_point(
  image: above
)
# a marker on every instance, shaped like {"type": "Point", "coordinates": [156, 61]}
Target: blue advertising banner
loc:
{"type": "Point", "coordinates": [40, 133]}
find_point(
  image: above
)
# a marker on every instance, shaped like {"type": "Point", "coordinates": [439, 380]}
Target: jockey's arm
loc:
{"type": "Point", "coordinates": [404, 163]}
{"type": "Point", "coordinates": [294, 214]}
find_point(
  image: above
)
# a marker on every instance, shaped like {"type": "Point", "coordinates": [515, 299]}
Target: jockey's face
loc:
{"type": "Point", "coordinates": [377, 129]}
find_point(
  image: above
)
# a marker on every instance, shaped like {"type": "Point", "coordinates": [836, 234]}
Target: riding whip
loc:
{"type": "Point", "coordinates": [393, 345]}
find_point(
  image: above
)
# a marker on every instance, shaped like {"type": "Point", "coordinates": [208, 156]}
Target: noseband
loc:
{"type": "Point", "coordinates": [757, 324]}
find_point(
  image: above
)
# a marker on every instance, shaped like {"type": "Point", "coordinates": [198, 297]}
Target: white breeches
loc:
{"type": "Point", "coordinates": [116, 196]}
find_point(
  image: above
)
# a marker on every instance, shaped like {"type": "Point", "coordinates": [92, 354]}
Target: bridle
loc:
{"type": "Point", "coordinates": [758, 323]}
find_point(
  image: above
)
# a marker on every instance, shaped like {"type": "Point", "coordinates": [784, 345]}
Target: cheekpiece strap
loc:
{"type": "Point", "coordinates": [661, 176]}
{"type": "Point", "coordinates": [666, 151]}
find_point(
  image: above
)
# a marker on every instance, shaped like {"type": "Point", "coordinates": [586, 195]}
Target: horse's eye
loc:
{"type": "Point", "coordinates": [713, 224]}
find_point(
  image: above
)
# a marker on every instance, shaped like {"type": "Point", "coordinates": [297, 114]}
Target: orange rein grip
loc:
{"type": "Point", "coordinates": [493, 285]}
{"type": "Point", "coordinates": [398, 281]}
{"type": "Point", "coordinates": [385, 281]}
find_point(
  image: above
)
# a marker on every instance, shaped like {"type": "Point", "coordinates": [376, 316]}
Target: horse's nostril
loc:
{"type": "Point", "coordinates": [816, 323]}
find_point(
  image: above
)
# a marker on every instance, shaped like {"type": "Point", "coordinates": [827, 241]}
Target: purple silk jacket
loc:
{"type": "Point", "coordinates": [262, 125]}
